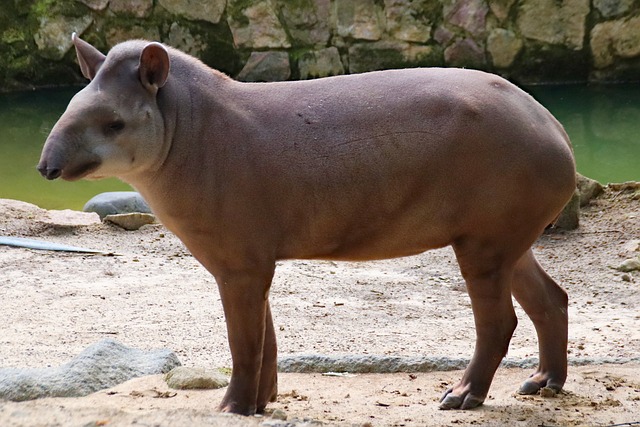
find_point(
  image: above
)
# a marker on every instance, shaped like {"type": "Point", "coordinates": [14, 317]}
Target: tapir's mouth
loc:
{"type": "Point", "coordinates": [80, 171]}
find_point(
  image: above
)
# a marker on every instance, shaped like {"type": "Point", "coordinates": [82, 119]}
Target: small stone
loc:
{"type": "Point", "coordinates": [130, 221]}
{"type": "Point", "coordinates": [279, 414]}
{"type": "Point", "coordinates": [548, 392]}
{"type": "Point", "coordinates": [184, 378]}
{"type": "Point", "coordinates": [629, 265]}
{"type": "Point", "coordinates": [116, 202]}
{"type": "Point", "coordinates": [626, 278]}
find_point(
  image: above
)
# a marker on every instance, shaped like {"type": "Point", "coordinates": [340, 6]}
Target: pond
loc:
{"type": "Point", "coordinates": [602, 121]}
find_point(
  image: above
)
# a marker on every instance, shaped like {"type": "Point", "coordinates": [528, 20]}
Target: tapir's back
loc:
{"type": "Point", "coordinates": [426, 154]}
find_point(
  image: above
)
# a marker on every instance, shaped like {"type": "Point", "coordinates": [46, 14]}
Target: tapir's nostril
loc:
{"type": "Point", "coordinates": [53, 173]}
{"type": "Point", "coordinates": [49, 173]}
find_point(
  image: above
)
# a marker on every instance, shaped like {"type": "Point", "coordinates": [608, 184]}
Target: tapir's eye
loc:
{"type": "Point", "coordinates": [114, 126]}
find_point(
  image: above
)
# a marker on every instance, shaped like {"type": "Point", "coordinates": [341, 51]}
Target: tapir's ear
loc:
{"type": "Point", "coordinates": [154, 66]}
{"type": "Point", "coordinates": [89, 57]}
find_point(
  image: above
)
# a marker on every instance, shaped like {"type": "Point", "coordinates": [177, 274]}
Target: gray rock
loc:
{"type": "Point", "coordinates": [96, 4]}
{"type": "Point", "coordinates": [359, 19]}
{"type": "Point", "coordinates": [553, 22]}
{"type": "Point", "coordinates": [102, 365]}
{"type": "Point", "coordinates": [390, 54]}
{"type": "Point", "coordinates": [54, 35]}
{"type": "Point", "coordinates": [137, 8]}
{"type": "Point", "coordinates": [184, 378]}
{"type": "Point", "coordinates": [407, 20]}
{"type": "Point", "coordinates": [116, 34]}
{"type": "Point", "coordinates": [256, 25]}
{"type": "Point", "coordinates": [210, 10]}
{"type": "Point", "coordinates": [569, 218]}
{"type": "Point", "coordinates": [465, 53]}
{"type": "Point", "coordinates": [307, 22]}
{"type": "Point", "coordinates": [117, 202]}
{"type": "Point", "coordinates": [504, 46]}
{"type": "Point", "coordinates": [629, 265]}
{"type": "Point", "coordinates": [588, 188]}
{"type": "Point", "coordinates": [270, 66]}
{"type": "Point", "coordinates": [615, 39]}
{"type": "Point", "coordinates": [611, 8]}
{"type": "Point", "coordinates": [468, 14]}
{"type": "Point", "coordinates": [131, 221]}
{"type": "Point", "coordinates": [367, 364]}
{"type": "Point", "coordinates": [181, 38]}
{"type": "Point", "coordinates": [320, 63]}
{"type": "Point", "coordinates": [501, 8]}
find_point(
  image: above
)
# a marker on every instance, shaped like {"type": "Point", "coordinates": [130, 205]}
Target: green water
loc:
{"type": "Point", "coordinates": [603, 122]}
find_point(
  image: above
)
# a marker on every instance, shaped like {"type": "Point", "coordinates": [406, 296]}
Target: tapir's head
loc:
{"type": "Point", "coordinates": [113, 127]}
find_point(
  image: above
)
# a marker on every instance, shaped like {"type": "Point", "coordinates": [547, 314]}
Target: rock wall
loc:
{"type": "Point", "coordinates": [254, 40]}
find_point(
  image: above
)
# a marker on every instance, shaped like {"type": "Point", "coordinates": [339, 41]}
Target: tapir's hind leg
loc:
{"type": "Point", "coordinates": [488, 276]}
{"type": "Point", "coordinates": [546, 304]}
{"type": "Point", "coordinates": [268, 388]}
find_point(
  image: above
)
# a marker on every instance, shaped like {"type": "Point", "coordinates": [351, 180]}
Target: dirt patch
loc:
{"type": "Point", "coordinates": [154, 294]}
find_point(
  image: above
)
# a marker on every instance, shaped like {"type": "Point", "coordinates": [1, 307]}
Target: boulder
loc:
{"type": "Point", "coordinates": [307, 21]}
{"type": "Point", "coordinates": [465, 53]}
{"type": "Point", "coordinates": [588, 189]}
{"type": "Point", "coordinates": [467, 14]}
{"type": "Point", "coordinates": [408, 20]}
{"type": "Point", "coordinates": [320, 63]}
{"type": "Point", "coordinates": [612, 8]}
{"type": "Point", "coordinates": [117, 202]}
{"type": "Point", "coordinates": [615, 39]}
{"type": "Point", "coordinates": [210, 10]}
{"type": "Point", "coordinates": [256, 25]}
{"type": "Point", "coordinates": [137, 8]}
{"type": "Point", "coordinates": [391, 54]}
{"type": "Point", "coordinates": [359, 19]}
{"type": "Point", "coordinates": [553, 22]}
{"type": "Point", "coordinates": [270, 66]}
{"type": "Point", "coordinates": [54, 35]}
{"type": "Point", "coordinates": [503, 46]}
{"type": "Point", "coordinates": [569, 218]}
{"type": "Point", "coordinates": [102, 365]}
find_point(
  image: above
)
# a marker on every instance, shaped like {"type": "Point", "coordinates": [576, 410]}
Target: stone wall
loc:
{"type": "Point", "coordinates": [525, 40]}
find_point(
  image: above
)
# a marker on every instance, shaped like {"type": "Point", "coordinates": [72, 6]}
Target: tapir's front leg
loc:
{"type": "Point", "coordinates": [245, 301]}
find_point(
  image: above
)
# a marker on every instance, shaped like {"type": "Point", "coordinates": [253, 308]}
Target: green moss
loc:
{"type": "Point", "coordinates": [235, 9]}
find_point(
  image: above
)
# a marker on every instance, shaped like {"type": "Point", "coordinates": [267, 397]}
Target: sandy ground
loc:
{"type": "Point", "coordinates": [154, 294]}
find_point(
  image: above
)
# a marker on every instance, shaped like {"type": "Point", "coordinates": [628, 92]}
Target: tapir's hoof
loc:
{"type": "Point", "coordinates": [451, 401]}
{"type": "Point", "coordinates": [533, 387]}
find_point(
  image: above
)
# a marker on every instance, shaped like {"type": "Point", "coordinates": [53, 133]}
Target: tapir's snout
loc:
{"type": "Point", "coordinates": [47, 171]}
{"type": "Point", "coordinates": [59, 160]}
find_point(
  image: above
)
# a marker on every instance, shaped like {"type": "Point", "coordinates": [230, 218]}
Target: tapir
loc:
{"type": "Point", "coordinates": [354, 167]}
